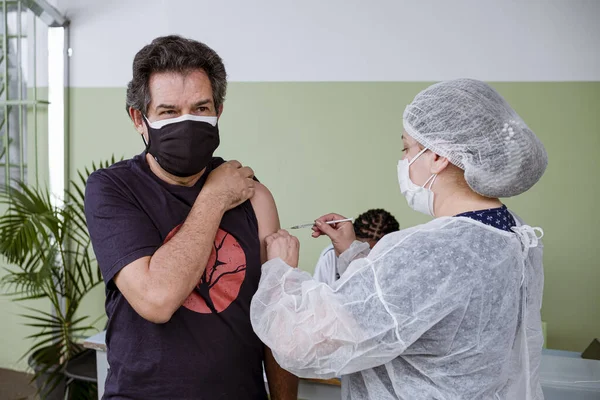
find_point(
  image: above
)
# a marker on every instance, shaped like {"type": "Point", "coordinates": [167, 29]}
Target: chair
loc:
{"type": "Point", "coordinates": [82, 367]}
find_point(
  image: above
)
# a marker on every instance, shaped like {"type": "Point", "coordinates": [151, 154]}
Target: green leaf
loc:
{"type": "Point", "coordinates": [42, 312]}
{"type": "Point", "coordinates": [53, 334]}
{"type": "Point", "coordinates": [50, 321]}
{"type": "Point", "coordinates": [49, 326]}
{"type": "Point", "coordinates": [40, 344]}
{"type": "Point", "coordinates": [26, 297]}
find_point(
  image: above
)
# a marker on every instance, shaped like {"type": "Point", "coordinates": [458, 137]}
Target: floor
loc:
{"type": "Point", "coordinates": [15, 385]}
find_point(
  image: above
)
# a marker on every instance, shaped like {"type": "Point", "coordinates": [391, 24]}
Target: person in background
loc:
{"type": "Point", "coordinates": [369, 227]}
{"type": "Point", "coordinates": [179, 238]}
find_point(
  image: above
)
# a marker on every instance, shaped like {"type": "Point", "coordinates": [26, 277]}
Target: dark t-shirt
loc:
{"type": "Point", "coordinates": [208, 349]}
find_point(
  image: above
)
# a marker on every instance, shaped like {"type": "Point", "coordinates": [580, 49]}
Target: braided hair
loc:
{"type": "Point", "coordinates": [374, 224]}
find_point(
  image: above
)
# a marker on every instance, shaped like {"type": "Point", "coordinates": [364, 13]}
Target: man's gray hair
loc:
{"type": "Point", "coordinates": [174, 54]}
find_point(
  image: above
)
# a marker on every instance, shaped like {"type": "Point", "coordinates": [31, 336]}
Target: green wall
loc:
{"type": "Point", "coordinates": [324, 147]}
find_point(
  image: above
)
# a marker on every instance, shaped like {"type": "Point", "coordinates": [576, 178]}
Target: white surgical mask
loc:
{"type": "Point", "coordinates": [419, 198]}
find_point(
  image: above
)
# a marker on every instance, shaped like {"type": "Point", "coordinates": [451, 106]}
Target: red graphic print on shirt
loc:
{"type": "Point", "coordinates": [220, 284]}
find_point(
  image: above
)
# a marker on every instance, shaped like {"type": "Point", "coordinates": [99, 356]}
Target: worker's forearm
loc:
{"type": "Point", "coordinates": [178, 265]}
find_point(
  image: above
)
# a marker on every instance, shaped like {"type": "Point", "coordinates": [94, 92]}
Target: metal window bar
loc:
{"type": "Point", "coordinates": [13, 102]}
{"type": "Point", "coordinates": [6, 83]}
{"type": "Point", "coordinates": [35, 93]}
{"type": "Point", "coordinates": [19, 101]}
{"type": "Point", "coordinates": [20, 96]}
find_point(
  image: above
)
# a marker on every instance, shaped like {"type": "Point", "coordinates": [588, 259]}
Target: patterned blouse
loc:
{"type": "Point", "coordinates": [499, 217]}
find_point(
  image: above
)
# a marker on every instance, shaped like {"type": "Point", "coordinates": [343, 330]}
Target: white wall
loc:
{"type": "Point", "coordinates": [346, 40]}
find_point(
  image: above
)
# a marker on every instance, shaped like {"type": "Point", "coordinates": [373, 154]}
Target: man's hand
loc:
{"type": "Point", "coordinates": [283, 245]}
{"type": "Point", "coordinates": [231, 184]}
{"type": "Point", "coordinates": [341, 234]}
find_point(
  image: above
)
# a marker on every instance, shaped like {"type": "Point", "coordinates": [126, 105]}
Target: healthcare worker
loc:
{"type": "Point", "coordinates": [445, 310]}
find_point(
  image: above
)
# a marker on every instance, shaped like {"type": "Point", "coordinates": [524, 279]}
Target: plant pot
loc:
{"type": "Point", "coordinates": [48, 388]}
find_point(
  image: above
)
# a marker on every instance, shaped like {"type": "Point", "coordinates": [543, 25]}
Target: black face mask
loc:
{"type": "Point", "coordinates": [184, 146]}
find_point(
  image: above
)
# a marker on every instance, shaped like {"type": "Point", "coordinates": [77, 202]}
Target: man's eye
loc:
{"type": "Point", "coordinates": [202, 109]}
{"type": "Point", "coordinates": [167, 112]}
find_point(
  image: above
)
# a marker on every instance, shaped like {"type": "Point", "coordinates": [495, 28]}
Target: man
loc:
{"type": "Point", "coordinates": [179, 238]}
{"type": "Point", "coordinates": [369, 227]}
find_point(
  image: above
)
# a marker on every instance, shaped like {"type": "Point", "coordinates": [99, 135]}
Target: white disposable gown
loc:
{"type": "Point", "coordinates": [445, 310]}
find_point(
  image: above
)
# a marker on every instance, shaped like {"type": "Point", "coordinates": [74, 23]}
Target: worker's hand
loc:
{"type": "Point", "coordinates": [341, 234]}
{"type": "Point", "coordinates": [231, 184]}
{"type": "Point", "coordinates": [285, 246]}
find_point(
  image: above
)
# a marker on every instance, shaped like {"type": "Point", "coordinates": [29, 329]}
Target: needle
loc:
{"type": "Point", "coordinates": [328, 222]}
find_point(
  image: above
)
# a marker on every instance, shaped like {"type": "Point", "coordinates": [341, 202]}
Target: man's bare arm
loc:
{"type": "Point", "coordinates": [282, 384]}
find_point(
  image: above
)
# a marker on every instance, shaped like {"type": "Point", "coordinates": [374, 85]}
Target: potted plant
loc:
{"type": "Point", "coordinates": [49, 250]}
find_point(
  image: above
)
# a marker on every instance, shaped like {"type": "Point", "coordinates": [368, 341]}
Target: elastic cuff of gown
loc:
{"type": "Point", "coordinates": [276, 267]}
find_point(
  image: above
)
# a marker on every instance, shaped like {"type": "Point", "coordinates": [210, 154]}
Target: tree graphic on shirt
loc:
{"type": "Point", "coordinates": [222, 279]}
{"type": "Point", "coordinates": [212, 274]}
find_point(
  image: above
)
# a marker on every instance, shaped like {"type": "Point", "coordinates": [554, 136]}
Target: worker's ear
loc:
{"type": "Point", "coordinates": [439, 164]}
